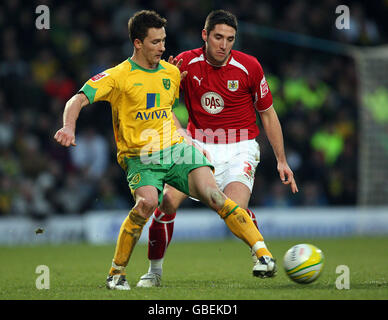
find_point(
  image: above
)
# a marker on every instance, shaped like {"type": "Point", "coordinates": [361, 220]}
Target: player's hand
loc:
{"type": "Point", "coordinates": [65, 137]}
{"type": "Point", "coordinates": [287, 176]}
{"type": "Point", "coordinates": [178, 64]}
{"type": "Point", "coordinates": [189, 141]}
{"type": "Point", "coordinates": [204, 151]}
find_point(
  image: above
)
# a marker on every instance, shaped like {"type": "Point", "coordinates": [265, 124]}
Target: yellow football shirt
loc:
{"type": "Point", "coordinates": [141, 102]}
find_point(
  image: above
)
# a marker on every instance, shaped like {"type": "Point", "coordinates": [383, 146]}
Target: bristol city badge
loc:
{"type": "Point", "coordinates": [233, 85]}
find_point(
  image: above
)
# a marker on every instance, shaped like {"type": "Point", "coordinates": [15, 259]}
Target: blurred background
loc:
{"type": "Point", "coordinates": [329, 87]}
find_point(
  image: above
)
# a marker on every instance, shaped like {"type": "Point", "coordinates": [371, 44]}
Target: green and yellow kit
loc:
{"type": "Point", "coordinates": [142, 101]}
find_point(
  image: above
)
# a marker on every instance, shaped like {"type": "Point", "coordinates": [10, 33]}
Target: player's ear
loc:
{"type": "Point", "coordinates": [204, 35]}
{"type": "Point", "coordinates": [137, 44]}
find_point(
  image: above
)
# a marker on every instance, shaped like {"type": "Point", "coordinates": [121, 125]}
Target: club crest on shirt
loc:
{"type": "Point", "coordinates": [232, 85]}
{"type": "Point", "coordinates": [166, 83]}
{"type": "Point", "coordinates": [136, 179]}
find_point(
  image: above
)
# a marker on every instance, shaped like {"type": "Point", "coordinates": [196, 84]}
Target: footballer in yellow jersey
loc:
{"type": "Point", "coordinates": [141, 101]}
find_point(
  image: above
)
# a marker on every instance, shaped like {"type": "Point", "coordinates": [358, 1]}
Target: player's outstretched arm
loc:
{"type": "Point", "coordinates": [66, 135]}
{"type": "Point", "coordinates": [274, 133]}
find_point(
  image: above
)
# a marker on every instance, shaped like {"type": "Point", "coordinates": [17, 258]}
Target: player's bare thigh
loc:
{"type": "Point", "coordinates": [172, 199]}
{"type": "Point", "coordinates": [203, 186]}
{"type": "Point", "coordinates": [239, 193]}
{"type": "Point", "coordinates": [235, 165]}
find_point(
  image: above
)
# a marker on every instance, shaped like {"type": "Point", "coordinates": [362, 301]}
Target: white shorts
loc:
{"type": "Point", "coordinates": [233, 161]}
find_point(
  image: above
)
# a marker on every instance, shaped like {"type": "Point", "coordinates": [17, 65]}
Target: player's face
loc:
{"type": "Point", "coordinates": [219, 42]}
{"type": "Point", "coordinates": [153, 46]}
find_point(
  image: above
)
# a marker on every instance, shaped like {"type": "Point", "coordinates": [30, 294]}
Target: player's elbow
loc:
{"type": "Point", "coordinates": [79, 100]}
{"type": "Point", "coordinates": [82, 99]}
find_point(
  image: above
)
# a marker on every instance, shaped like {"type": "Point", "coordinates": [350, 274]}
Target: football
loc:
{"type": "Point", "coordinates": [303, 263]}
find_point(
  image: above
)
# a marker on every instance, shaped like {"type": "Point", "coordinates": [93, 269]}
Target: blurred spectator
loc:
{"type": "Point", "coordinates": [92, 154]}
{"type": "Point", "coordinates": [7, 130]}
{"type": "Point", "coordinates": [109, 198]}
{"type": "Point", "coordinates": [362, 30]}
{"type": "Point", "coordinates": [75, 196]}
{"type": "Point", "coordinates": [60, 86]}
{"type": "Point", "coordinates": [9, 164]}
{"type": "Point", "coordinates": [312, 195]}
{"type": "Point", "coordinates": [32, 160]}
{"type": "Point", "coordinates": [329, 142]}
{"type": "Point", "coordinates": [44, 66]}
{"type": "Point", "coordinates": [7, 194]}
{"type": "Point", "coordinates": [277, 196]}
{"type": "Point", "coordinates": [12, 67]}
{"type": "Point", "coordinates": [30, 201]}
{"type": "Point", "coordinates": [102, 61]}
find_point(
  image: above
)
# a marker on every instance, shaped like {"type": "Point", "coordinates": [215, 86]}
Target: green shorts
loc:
{"type": "Point", "coordinates": [171, 166]}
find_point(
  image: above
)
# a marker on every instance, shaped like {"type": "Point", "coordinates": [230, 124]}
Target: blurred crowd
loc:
{"type": "Point", "coordinates": [315, 95]}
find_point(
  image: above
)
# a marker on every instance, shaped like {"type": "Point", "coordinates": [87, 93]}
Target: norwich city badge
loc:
{"type": "Point", "coordinates": [166, 83]}
{"type": "Point", "coordinates": [136, 179]}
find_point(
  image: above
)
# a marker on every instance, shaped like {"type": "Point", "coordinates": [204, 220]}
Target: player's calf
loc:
{"type": "Point", "coordinates": [253, 252]}
{"type": "Point", "coordinates": [160, 234]}
{"type": "Point", "coordinates": [242, 226]}
{"type": "Point", "coordinates": [129, 234]}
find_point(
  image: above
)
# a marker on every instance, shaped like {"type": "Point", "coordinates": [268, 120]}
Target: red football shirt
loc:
{"type": "Point", "coordinates": [221, 101]}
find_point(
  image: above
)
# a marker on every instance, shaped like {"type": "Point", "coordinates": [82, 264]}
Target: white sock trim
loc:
{"type": "Point", "coordinates": [259, 245]}
{"type": "Point", "coordinates": [156, 266]}
{"type": "Point", "coordinates": [121, 268]}
{"type": "Point", "coordinates": [160, 217]}
{"type": "Point", "coordinates": [166, 239]}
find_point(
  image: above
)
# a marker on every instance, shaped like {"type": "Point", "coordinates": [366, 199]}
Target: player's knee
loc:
{"type": "Point", "coordinates": [217, 197]}
{"type": "Point", "coordinates": [168, 205]}
{"type": "Point", "coordinates": [146, 206]}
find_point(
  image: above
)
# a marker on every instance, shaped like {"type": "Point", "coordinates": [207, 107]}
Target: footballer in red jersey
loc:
{"type": "Point", "coordinates": [223, 97]}
{"type": "Point", "coordinates": [223, 88]}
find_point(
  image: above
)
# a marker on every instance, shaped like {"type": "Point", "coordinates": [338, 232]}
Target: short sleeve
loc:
{"type": "Point", "coordinates": [262, 93]}
{"type": "Point", "coordinates": [99, 87]}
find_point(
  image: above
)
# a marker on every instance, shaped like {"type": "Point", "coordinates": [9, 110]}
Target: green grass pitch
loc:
{"type": "Point", "coordinates": [219, 270]}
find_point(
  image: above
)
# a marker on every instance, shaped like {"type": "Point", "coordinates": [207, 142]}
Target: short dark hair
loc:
{"type": "Point", "coordinates": [220, 17]}
{"type": "Point", "coordinates": [143, 20]}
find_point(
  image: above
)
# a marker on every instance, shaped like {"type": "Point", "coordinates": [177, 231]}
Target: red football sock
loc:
{"type": "Point", "coordinates": [160, 234]}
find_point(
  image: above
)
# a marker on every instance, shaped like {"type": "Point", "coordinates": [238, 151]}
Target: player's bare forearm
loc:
{"type": "Point", "coordinates": [179, 128]}
{"type": "Point", "coordinates": [274, 133]}
{"type": "Point", "coordinates": [73, 108]}
{"type": "Point", "coordinates": [66, 135]}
